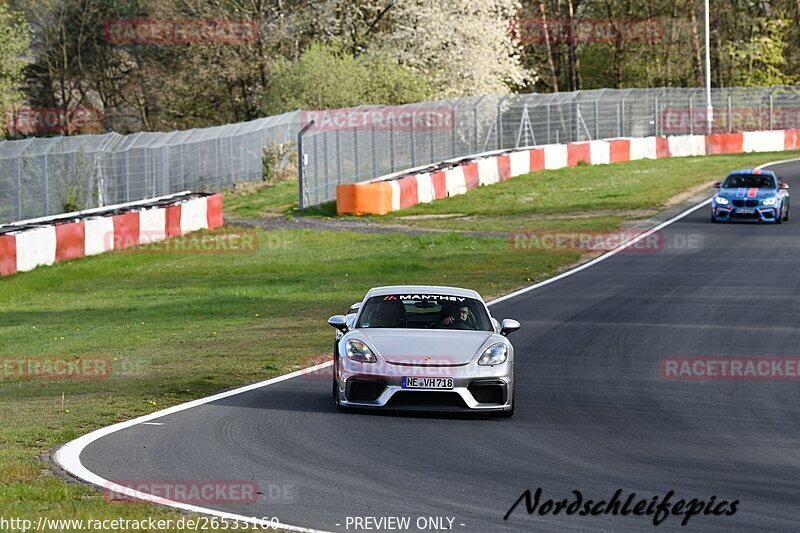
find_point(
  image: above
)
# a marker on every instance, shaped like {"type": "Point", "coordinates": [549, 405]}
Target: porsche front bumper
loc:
{"type": "Point", "coordinates": [380, 385]}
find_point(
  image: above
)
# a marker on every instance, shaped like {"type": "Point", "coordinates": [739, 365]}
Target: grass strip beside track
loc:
{"type": "Point", "coordinates": [179, 326]}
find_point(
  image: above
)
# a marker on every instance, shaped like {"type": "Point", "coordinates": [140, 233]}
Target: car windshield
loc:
{"type": "Point", "coordinates": [760, 181]}
{"type": "Point", "coordinates": [424, 311]}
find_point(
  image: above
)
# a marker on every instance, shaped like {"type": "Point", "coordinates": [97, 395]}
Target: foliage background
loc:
{"type": "Point", "coordinates": [339, 53]}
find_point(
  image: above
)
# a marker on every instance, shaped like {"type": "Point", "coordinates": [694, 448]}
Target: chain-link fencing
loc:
{"type": "Point", "coordinates": [48, 176]}
{"type": "Point", "coordinates": [359, 144]}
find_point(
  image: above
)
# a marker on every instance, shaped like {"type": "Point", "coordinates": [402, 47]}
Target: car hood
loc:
{"type": "Point", "coordinates": [734, 193]}
{"type": "Point", "coordinates": [426, 347]}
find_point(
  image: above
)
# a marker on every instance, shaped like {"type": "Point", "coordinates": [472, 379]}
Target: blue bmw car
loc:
{"type": "Point", "coordinates": [751, 195]}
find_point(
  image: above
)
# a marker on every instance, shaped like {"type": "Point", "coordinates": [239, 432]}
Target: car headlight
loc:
{"type": "Point", "coordinates": [721, 201]}
{"type": "Point", "coordinates": [496, 354]}
{"type": "Point", "coordinates": [358, 351]}
{"type": "Point", "coordinates": [770, 201]}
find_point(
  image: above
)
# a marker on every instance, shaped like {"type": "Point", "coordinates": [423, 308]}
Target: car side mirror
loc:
{"type": "Point", "coordinates": [717, 184]}
{"type": "Point", "coordinates": [509, 325]}
{"type": "Point", "coordinates": [783, 186]}
{"type": "Point", "coordinates": [354, 308]}
{"type": "Point", "coordinates": [339, 322]}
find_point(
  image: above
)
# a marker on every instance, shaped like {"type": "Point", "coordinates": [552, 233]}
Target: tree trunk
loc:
{"type": "Point", "coordinates": [548, 48]}
{"type": "Point", "coordinates": [572, 46]}
{"type": "Point", "coordinates": [697, 54]}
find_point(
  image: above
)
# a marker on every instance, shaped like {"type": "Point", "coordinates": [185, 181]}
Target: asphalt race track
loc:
{"type": "Point", "coordinates": [593, 412]}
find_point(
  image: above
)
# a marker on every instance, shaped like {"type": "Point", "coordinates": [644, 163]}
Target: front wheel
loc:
{"type": "Point", "coordinates": [713, 218]}
{"type": "Point", "coordinates": [786, 215]}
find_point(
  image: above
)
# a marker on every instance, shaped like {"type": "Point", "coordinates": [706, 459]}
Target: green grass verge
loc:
{"type": "Point", "coordinates": [182, 326]}
{"type": "Point", "coordinates": [602, 196]}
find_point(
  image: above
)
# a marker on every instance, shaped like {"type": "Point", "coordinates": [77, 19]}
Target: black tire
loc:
{"type": "Point", "coordinates": [713, 218]}
{"type": "Point", "coordinates": [779, 218]}
{"type": "Point", "coordinates": [786, 215]}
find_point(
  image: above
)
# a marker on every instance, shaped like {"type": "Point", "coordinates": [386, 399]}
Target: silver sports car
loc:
{"type": "Point", "coordinates": [423, 348]}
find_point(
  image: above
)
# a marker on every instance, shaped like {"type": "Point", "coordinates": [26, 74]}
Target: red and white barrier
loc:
{"type": "Point", "coordinates": [63, 239]}
{"type": "Point", "coordinates": [36, 247]}
{"type": "Point", "coordinates": [152, 225]}
{"type": "Point", "coordinates": [763, 141]}
{"type": "Point", "coordinates": [643, 148]}
{"type": "Point", "coordinates": [380, 197]}
{"type": "Point", "coordinates": [555, 156]}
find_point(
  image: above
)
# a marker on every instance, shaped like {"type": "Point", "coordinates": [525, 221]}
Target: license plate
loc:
{"type": "Point", "coordinates": [427, 383]}
{"type": "Point", "coordinates": [746, 211]}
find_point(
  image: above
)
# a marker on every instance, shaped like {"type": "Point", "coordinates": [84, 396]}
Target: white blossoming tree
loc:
{"type": "Point", "coordinates": [463, 46]}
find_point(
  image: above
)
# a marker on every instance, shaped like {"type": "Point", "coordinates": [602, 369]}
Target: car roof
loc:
{"type": "Point", "coordinates": [423, 289]}
{"type": "Point", "coordinates": [753, 171]}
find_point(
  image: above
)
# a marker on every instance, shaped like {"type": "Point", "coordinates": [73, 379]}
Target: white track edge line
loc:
{"type": "Point", "coordinates": [68, 456]}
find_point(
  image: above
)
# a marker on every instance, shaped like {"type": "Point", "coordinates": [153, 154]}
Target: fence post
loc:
{"type": "Point", "coordinates": [356, 159]}
{"type": "Point", "coordinates": [301, 163]}
{"type": "Point", "coordinates": [127, 176]}
{"type": "Point", "coordinates": [325, 155]}
{"type": "Point", "coordinates": [19, 188]}
{"type": "Point", "coordinates": [771, 122]}
{"type": "Point", "coordinates": [691, 115]}
{"type": "Point", "coordinates": [548, 123]}
{"type": "Point", "coordinates": [475, 124]}
{"type": "Point", "coordinates": [655, 116]}
{"type": "Point", "coordinates": [619, 123]}
{"type": "Point", "coordinates": [45, 195]}
{"type": "Point", "coordinates": [197, 159]}
{"type": "Point", "coordinates": [230, 156]}
{"type": "Point", "coordinates": [374, 149]}
{"type": "Point", "coordinates": [433, 147]}
{"type": "Point", "coordinates": [500, 122]}
{"type": "Point", "coordinates": [338, 158]}
{"type": "Point", "coordinates": [391, 147]}
{"type": "Point", "coordinates": [414, 137]}
{"type": "Point", "coordinates": [596, 119]}
{"type": "Point", "coordinates": [730, 111]}
{"type": "Point", "coordinates": [216, 161]}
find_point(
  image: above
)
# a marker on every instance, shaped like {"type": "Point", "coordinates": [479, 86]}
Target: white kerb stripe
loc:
{"type": "Point", "coordinates": [152, 225]}
{"type": "Point", "coordinates": [425, 192]}
{"type": "Point", "coordinates": [454, 180]}
{"type": "Point", "coordinates": [98, 235]}
{"type": "Point", "coordinates": [395, 194]}
{"type": "Point", "coordinates": [520, 163]}
{"type": "Point", "coordinates": [555, 156]}
{"type": "Point", "coordinates": [36, 247]}
{"type": "Point", "coordinates": [600, 152]}
{"type": "Point", "coordinates": [487, 171]}
{"type": "Point", "coordinates": [193, 215]}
